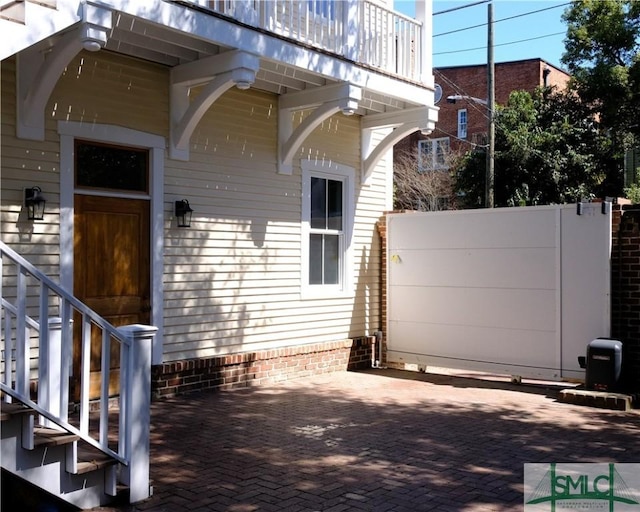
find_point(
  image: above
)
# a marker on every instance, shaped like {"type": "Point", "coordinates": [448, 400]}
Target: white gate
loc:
{"type": "Point", "coordinates": [519, 291]}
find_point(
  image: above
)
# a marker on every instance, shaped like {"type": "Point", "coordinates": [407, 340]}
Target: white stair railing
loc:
{"type": "Point", "coordinates": [38, 354]}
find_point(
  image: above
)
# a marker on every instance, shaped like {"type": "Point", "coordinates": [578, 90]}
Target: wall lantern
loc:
{"type": "Point", "coordinates": [183, 213]}
{"type": "Point", "coordinates": [34, 201]}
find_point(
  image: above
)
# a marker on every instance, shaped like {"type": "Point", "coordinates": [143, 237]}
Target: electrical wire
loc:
{"type": "Point", "coordinates": [500, 20]}
{"type": "Point", "coordinates": [459, 7]}
{"type": "Point", "coordinates": [481, 109]}
{"type": "Point", "coordinates": [501, 44]}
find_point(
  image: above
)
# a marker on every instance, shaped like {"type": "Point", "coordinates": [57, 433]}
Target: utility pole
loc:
{"type": "Point", "coordinates": [491, 99]}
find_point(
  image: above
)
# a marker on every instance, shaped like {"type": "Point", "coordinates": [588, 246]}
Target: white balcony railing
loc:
{"type": "Point", "coordinates": [361, 31]}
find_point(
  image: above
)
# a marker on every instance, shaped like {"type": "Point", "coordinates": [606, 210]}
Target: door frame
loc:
{"type": "Point", "coordinates": [156, 144]}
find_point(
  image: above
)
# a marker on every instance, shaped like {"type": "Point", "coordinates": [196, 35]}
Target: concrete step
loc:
{"type": "Point", "coordinates": [599, 399]}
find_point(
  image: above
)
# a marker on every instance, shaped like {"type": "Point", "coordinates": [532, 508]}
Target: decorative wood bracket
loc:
{"type": "Point", "coordinates": [216, 74]}
{"type": "Point", "coordinates": [401, 123]}
{"type": "Point", "coordinates": [38, 70]}
{"type": "Point", "coordinates": [326, 100]}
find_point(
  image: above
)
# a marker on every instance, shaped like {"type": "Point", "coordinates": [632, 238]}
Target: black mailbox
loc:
{"type": "Point", "coordinates": [604, 364]}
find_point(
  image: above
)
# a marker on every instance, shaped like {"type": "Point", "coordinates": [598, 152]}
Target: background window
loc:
{"type": "Point", "coordinates": [433, 154]}
{"type": "Point", "coordinates": [462, 123]}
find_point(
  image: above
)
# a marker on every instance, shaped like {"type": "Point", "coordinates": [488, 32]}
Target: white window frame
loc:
{"type": "Point", "coordinates": [463, 121]}
{"type": "Point", "coordinates": [428, 154]}
{"type": "Point", "coordinates": [345, 174]}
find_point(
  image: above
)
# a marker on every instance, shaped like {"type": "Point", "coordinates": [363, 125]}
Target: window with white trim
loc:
{"type": "Point", "coordinates": [432, 154]}
{"type": "Point", "coordinates": [327, 218]}
{"type": "Point", "coordinates": [462, 123]}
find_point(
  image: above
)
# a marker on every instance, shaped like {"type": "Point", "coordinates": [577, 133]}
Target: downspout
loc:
{"type": "Point", "coordinates": [375, 363]}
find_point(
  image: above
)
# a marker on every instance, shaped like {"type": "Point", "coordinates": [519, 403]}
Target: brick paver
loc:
{"type": "Point", "coordinates": [381, 440]}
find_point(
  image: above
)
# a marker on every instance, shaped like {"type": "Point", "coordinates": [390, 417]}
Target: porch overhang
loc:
{"type": "Point", "coordinates": [39, 68]}
{"type": "Point", "coordinates": [219, 73]}
{"type": "Point", "coordinates": [401, 124]}
{"type": "Point", "coordinates": [326, 101]}
{"type": "Point", "coordinates": [215, 53]}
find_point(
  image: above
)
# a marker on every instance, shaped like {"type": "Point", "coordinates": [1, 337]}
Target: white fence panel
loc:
{"type": "Point", "coordinates": [519, 291]}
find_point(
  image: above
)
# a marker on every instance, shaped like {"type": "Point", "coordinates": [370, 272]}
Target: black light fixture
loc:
{"type": "Point", "coordinates": [183, 213]}
{"type": "Point", "coordinates": [34, 201]}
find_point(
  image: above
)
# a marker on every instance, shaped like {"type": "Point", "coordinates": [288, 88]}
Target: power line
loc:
{"type": "Point", "coordinates": [498, 21]}
{"type": "Point", "coordinates": [459, 7]}
{"type": "Point", "coordinates": [501, 44]}
{"type": "Point", "coordinates": [482, 110]}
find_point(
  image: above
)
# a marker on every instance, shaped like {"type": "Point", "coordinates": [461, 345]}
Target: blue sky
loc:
{"type": "Point", "coordinates": [541, 34]}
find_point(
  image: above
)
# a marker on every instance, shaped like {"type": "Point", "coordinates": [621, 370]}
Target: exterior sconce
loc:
{"type": "Point", "coordinates": [183, 213]}
{"type": "Point", "coordinates": [34, 201]}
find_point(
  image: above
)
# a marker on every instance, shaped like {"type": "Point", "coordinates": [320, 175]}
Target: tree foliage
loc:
{"type": "Point", "coordinates": [549, 150]}
{"type": "Point", "coordinates": [602, 52]}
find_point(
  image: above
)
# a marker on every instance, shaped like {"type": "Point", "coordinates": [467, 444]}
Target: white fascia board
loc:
{"type": "Point", "coordinates": [40, 22]}
{"type": "Point", "coordinates": [219, 31]}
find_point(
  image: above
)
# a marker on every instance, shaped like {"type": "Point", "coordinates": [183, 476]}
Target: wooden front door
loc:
{"type": "Point", "coordinates": [111, 272]}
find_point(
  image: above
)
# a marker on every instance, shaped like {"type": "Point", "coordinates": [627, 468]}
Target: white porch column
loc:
{"type": "Point", "coordinates": [136, 408]}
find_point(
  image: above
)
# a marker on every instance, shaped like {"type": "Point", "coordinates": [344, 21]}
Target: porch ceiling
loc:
{"type": "Point", "coordinates": [149, 41]}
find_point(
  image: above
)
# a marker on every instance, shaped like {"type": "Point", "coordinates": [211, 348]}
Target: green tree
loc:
{"type": "Point", "coordinates": [602, 53]}
{"type": "Point", "coordinates": [549, 150]}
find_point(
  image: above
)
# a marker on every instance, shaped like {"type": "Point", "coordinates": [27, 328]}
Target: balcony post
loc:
{"type": "Point", "coordinates": [137, 402]}
{"type": "Point", "coordinates": [423, 50]}
{"type": "Point", "coordinates": [351, 12]}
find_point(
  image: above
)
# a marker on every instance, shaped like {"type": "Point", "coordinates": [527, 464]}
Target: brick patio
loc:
{"type": "Point", "coordinates": [380, 440]}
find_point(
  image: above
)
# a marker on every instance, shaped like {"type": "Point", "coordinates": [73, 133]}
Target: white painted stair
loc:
{"type": "Point", "coordinates": [56, 461]}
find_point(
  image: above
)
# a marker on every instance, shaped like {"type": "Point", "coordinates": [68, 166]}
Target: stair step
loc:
{"type": "Point", "coordinates": [9, 409]}
{"type": "Point", "coordinates": [90, 459]}
{"type": "Point", "coordinates": [51, 437]}
{"type": "Point", "coordinates": [93, 465]}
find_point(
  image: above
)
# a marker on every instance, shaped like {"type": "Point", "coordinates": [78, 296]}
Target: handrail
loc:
{"type": "Point", "coordinates": [61, 292]}
{"type": "Point", "coordinates": [62, 424]}
{"type": "Point", "coordinates": [54, 354]}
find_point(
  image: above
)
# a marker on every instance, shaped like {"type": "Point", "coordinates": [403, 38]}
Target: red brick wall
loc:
{"type": "Point", "coordinates": [259, 368]}
{"type": "Point", "coordinates": [625, 291]}
{"type": "Point", "coordinates": [524, 75]}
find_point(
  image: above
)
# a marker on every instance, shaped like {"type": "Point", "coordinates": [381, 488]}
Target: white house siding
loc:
{"type": "Point", "coordinates": [26, 163]}
{"type": "Point", "coordinates": [232, 282]}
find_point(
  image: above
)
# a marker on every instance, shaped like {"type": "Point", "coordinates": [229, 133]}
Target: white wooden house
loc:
{"type": "Point", "coordinates": [272, 122]}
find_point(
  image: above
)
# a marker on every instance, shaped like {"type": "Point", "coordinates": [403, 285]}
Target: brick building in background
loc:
{"type": "Point", "coordinates": [463, 123]}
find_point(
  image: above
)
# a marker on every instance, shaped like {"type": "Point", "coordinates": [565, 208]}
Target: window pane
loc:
{"type": "Point", "coordinates": [115, 168]}
{"type": "Point", "coordinates": [335, 205]}
{"type": "Point", "coordinates": [315, 259]}
{"type": "Point", "coordinates": [331, 259]}
{"type": "Point", "coordinates": [318, 203]}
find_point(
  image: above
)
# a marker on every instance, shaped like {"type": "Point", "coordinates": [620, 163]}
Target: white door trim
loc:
{"type": "Point", "coordinates": [156, 145]}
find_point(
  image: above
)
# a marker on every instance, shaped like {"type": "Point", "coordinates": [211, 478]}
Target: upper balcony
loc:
{"type": "Point", "coordinates": [363, 32]}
